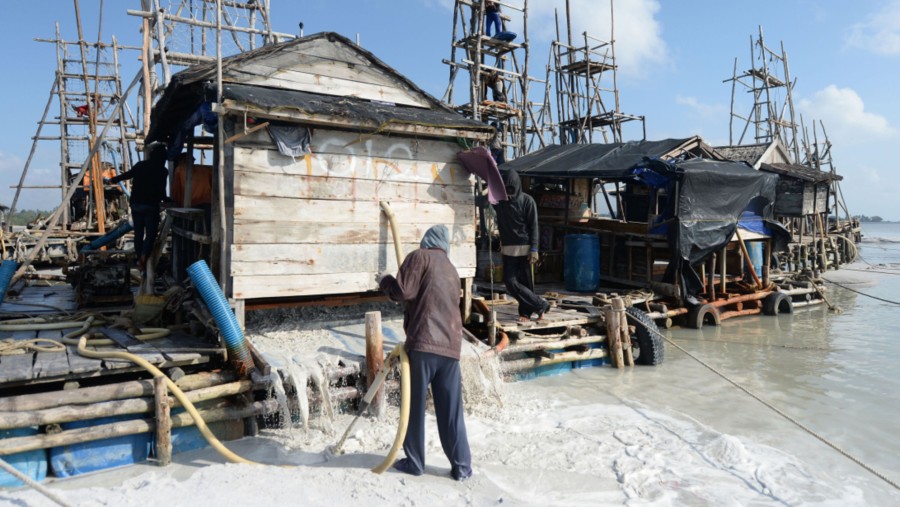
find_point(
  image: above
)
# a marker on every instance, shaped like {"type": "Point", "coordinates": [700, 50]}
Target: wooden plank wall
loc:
{"type": "Point", "coordinates": [313, 226]}
{"type": "Point", "coordinates": [329, 68]}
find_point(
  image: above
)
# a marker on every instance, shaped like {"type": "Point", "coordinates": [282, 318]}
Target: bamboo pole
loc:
{"type": "Point", "coordinates": [163, 422]}
{"type": "Point", "coordinates": [145, 70]}
{"type": "Point", "coordinates": [612, 332]}
{"type": "Point", "coordinates": [37, 135]}
{"type": "Point", "coordinates": [749, 264]}
{"type": "Point", "coordinates": [207, 24]}
{"type": "Point", "coordinates": [124, 428]}
{"type": "Point", "coordinates": [520, 347]}
{"type": "Point", "coordinates": [220, 162]}
{"type": "Point", "coordinates": [109, 392]}
{"type": "Point", "coordinates": [93, 158]}
{"type": "Point", "coordinates": [374, 359]}
{"type": "Point", "coordinates": [54, 219]}
{"type": "Point", "coordinates": [161, 42]}
{"type": "Point", "coordinates": [623, 335]}
{"type": "Point", "coordinates": [117, 407]}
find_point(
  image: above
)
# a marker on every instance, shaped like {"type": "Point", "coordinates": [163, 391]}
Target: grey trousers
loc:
{"type": "Point", "coordinates": [446, 388]}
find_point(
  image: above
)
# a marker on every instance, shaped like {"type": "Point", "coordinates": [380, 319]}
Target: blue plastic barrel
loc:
{"type": "Point", "coordinates": [582, 263]}
{"type": "Point", "coordinates": [755, 249]}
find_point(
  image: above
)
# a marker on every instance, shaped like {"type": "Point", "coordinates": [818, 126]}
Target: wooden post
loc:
{"type": "Point", "coordinates": [163, 422]}
{"type": "Point", "coordinates": [612, 336]}
{"type": "Point", "coordinates": [466, 300]}
{"type": "Point", "coordinates": [723, 270]}
{"type": "Point", "coordinates": [374, 359]}
{"type": "Point", "coordinates": [492, 329]}
{"type": "Point", "coordinates": [624, 337]}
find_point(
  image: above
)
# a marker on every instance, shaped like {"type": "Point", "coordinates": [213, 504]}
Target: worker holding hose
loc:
{"type": "Point", "coordinates": [428, 284]}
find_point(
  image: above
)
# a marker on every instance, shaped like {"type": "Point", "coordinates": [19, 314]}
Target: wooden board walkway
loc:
{"type": "Point", "coordinates": [37, 300]}
{"type": "Point", "coordinates": [69, 365]}
{"type": "Point", "coordinates": [508, 318]}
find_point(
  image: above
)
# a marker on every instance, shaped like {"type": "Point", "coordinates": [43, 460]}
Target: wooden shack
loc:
{"type": "Point", "coordinates": [307, 223]}
{"type": "Point", "coordinates": [802, 205]}
{"type": "Point", "coordinates": [667, 215]}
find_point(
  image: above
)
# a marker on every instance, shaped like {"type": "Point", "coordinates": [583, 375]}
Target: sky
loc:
{"type": "Point", "coordinates": [673, 58]}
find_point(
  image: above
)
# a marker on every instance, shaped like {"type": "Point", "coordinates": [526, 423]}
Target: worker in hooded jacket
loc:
{"type": "Point", "coordinates": [517, 219]}
{"type": "Point", "coordinates": [428, 284]}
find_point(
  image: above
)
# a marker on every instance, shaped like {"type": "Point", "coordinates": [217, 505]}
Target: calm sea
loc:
{"type": "Point", "coordinates": [838, 374]}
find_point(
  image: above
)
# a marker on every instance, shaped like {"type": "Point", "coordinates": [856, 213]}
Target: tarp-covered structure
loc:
{"type": "Point", "coordinates": [708, 199]}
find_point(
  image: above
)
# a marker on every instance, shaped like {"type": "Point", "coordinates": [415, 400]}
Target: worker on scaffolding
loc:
{"type": "Point", "coordinates": [517, 220]}
{"type": "Point", "coordinates": [492, 17]}
{"type": "Point", "coordinates": [148, 189]}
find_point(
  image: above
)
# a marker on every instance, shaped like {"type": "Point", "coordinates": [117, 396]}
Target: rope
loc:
{"type": "Point", "coordinates": [756, 397]}
{"type": "Point", "coordinates": [12, 347]}
{"type": "Point", "coordinates": [862, 293]}
{"type": "Point", "coordinates": [32, 483]}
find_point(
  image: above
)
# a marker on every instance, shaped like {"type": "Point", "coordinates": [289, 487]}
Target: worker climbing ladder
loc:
{"type": "Point", "coordinates": [85, 89]}
{"type": "Point", "coordinates": [496, 66]}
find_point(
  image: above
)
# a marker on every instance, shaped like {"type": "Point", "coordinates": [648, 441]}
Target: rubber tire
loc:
{"type": "Point", "coordinates": [698, 314]}
{"type": "Point", "coordinates": [647, 344]}
{"type": "Point", "coordinates": [776, 303]}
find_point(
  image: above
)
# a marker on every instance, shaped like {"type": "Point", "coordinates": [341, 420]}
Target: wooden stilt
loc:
{"type": "Point", "coordinates": [618, 305]}
{"type": "Point", "coordinates": [374, 359]}
{"type": "Point", "coordinates": [163, 422]}
{"type": "Point", "coordinates": [613, 330]}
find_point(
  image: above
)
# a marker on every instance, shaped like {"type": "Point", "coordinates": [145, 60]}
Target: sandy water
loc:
{"type": "Point", "coordinates": [677, 434]}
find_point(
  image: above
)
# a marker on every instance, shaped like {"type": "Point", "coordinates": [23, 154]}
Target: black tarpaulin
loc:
{"type": "Point", "coordinates": [366, 112]}
{"type": "Point", "coordinates": [604, 161]}
{"type": "Point", "coordinates": [713, 197]}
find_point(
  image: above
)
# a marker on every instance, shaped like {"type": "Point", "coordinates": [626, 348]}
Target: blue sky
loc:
{"type": "Point", "coordinates": [673, 57]}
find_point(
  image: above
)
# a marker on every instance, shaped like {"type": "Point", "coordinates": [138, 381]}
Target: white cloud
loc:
{"type": "Point", "coordinates": [638, 34]}
{"type": "Point", "coordinates": [707, 111]}
{"type": "Point", "coordinates": [880, 33]}
{"type": "Point", "coordinates": [845, 116]}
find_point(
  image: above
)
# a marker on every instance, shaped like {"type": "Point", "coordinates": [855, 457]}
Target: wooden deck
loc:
{"type": "Point", "coordinates": [177, 349]}
{"type": "Point", "coordinates": [557, 317]}
{"type": "Point", "coordinates": [33, 367]}
{"type": "Point", "coordinates": [37, 300]}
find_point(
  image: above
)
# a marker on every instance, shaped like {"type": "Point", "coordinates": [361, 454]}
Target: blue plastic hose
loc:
{"type": "Point", "coordinates": [215, 300]}
{"type": "Point", "coordinates": [109, 237]}
{"type": "Point", "coordinates": [7, 270]}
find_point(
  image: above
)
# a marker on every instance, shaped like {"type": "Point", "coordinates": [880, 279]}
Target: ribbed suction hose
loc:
{"type": "Point", "coordinates": [212, 295]}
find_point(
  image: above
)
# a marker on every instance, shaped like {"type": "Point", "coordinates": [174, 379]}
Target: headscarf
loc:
{"type": "Point", "coordinates": [437, 236]}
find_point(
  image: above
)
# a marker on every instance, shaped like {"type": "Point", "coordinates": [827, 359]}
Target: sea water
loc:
{"type": "Point", "coordinates": [837, 374]}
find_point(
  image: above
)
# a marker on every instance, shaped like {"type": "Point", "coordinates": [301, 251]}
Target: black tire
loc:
{"type": "Point", "coordinates": [703, 314]}
{"type": "Point", "coordinates": [646, 343]}
{"type": "Point", "coordinates": [776, 303]}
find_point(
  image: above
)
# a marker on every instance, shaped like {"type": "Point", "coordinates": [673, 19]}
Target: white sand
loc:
{"type": "Point", "coordinates": [547, 441]}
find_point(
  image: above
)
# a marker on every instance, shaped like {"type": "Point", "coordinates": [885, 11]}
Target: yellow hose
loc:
{"type": "Point", "coordinates": [215, 442]}
{"type": "Point", "coordinates": [404, 414]}
{"type": "Point", "coordinates": [178, 393]}
{"type": "Point", "coordinates": [389, 213]}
